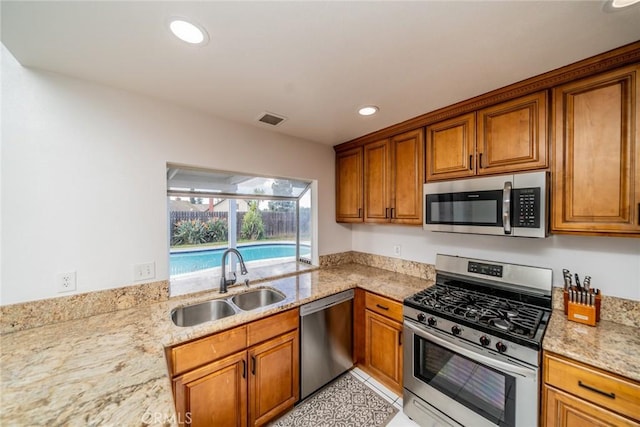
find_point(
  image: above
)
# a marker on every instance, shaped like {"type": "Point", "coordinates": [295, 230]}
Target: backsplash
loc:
{"type": "Point", "coordinates": [17, 317]}
{"type": "Point", "coordinates": [401, 266]}
{"type": "Point", "coordinates": [618, 310]}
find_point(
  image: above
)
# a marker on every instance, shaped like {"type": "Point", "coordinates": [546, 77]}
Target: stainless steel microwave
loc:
{"type": "Point", "coordinates": [504, 205]}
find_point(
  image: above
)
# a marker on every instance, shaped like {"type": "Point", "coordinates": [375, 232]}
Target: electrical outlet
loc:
{"type": "Point", "coordinates": [66, 281]}
{"type": "Point", "coordinates": [144, 271]}
{"type": "Point", "coordinates": [397, 250]}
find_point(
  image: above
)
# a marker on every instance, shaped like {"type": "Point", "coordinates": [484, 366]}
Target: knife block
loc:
{"type": "Point", "coordinates": [582, 313]}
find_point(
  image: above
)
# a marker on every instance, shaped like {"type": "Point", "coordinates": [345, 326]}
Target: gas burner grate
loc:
{"type": "Point", "coordinates": [495, 312]}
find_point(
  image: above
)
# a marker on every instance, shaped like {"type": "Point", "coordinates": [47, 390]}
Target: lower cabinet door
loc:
{"type": "Point", "coordinates": [273, 377]}
{"type": "Point", "coordinates": [214, 395]}
{"type": "Point", "coordinates": [383, 350]}
{"type": "Point", "coordinates": [564, 410]}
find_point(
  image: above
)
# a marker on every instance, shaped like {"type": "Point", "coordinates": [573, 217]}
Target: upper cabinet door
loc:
{"type": "Point", "coordinates": [512, 136]}
{"type": "Point", "coordinates": [349, 185]}
{"type": "Point", "coordinates": [407, 177]}
{"type": "Point", "coordinates": [377, 181]}
{"type": "Point", "coordinates": [596, 167]}
{"type": "Point", "coordinates": [451, 148]}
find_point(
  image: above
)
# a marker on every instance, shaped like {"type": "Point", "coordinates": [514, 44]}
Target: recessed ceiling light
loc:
{"type": "Point", "coordinates": [188, 31]}
{"type": "Point", "coordinates": [368, 110]}
{"type": "Point", "coordinates": [623, 3]}
{"type": "Point", "coordinates": [616, 5]}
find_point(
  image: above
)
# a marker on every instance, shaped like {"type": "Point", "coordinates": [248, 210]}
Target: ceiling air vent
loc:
{"type": "Point", "coordinates": [271, 119]}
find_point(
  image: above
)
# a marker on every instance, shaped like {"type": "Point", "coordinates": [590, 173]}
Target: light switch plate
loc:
{"type": "Point", "coordinates": [144, 271]}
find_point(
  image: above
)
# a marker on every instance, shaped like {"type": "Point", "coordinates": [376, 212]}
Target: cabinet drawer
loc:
{"type": "Point", "coordinates": [564, 409]}
{"type": "Point", "coordinates": [384, 306]}
{"type": "Point", "coordinates": [270, 327]}
{"type": "Point", "coordinates": [612, 392]}
{"type": "Point", "coordinates": [191, 355]}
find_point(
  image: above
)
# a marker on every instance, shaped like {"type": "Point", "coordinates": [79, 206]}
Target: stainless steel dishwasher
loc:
{"type": "Point", "coordinates": [326, 342]}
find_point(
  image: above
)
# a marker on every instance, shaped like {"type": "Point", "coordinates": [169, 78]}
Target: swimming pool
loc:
{"type": "Point", "coordinates": [192, 261]}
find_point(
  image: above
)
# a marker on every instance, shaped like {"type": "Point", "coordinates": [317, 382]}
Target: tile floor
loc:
{"type": "Point", "coordinates": [400, 420]}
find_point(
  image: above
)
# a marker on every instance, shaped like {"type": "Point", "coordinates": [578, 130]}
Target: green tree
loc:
{"type": "Point", "coordinates": [252, 225]}
{"type": "Point", "coordinates": [282, 187]}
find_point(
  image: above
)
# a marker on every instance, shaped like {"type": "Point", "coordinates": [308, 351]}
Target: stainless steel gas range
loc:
{"type": "Point", "coordinates": [473, 344]}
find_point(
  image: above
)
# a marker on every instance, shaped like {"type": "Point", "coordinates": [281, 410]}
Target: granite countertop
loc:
{"type": "Point", "coordinates": [610, 346]}
{"type": "Point", "coordinates": [110, 369]}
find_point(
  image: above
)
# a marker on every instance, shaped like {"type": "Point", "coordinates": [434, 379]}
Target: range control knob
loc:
{"type": "Point", "coordinates": [432, 321]}
{"type": "Point", "coordinates": [421, 317]}
{"type": "Point", "coordinates": [501, 347]}
{"type": "Point", "coordinates": [484, 340]}
{"type": "Point", "coordinates": [455, 330]}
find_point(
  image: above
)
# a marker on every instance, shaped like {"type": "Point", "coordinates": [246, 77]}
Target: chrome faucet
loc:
{"type": "Point", "coordinates": [243, 270]}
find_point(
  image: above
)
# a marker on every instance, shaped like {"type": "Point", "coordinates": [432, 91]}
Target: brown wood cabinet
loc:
{"type": "Point", "coordinates": [565, 410]}
{"type": "Point", "coordinates": [249, 387]}
{"type": "Point", "coordinates": [407, 177]}
{"type": "Point", "coordinates": [576, 394]}
{"type": "Point", "coordinates": [512, 136]}
{"type": "Point", "coordinates": [215, 394]}
{"type": "Point", "coordinates": [274, 379]}
{"type": "Point", "coordinates": [381, 182]}
{"type": "Point", "coordinates": [503, 138]}
{"type": "Point", "coordinates": [377, 181]}
{"type": "Point", "coordinates": [451, 148]}
{"type": "Point", "coordinates": [349, 185]}
{"type": "Point", "coordinates": [378, 338]}
{"type": "Point", "coordinates": [596, 167]}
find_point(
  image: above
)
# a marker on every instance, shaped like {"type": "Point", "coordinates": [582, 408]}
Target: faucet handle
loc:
{"type": "Point", "coordinates": [234, 278]}
{"type": "Point", "coordinates": [246, 282]}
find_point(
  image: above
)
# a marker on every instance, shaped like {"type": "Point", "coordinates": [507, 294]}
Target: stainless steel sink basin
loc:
{"type": "Point", "coordinates": [220, 308]}
{"type": "Point", "coordinates": [257, 298]}
{"type": "Point", "coordinates": [204, 312]}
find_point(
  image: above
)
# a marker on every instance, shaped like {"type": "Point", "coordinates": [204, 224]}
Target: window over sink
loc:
{"type": "Point", "coordinates": [270, 220]}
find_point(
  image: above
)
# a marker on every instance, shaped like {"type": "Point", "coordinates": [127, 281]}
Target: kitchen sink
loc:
{"type": "Point", "coordinates": [217, 309]}
{"type": "Point", "coordinates": [257, 298]}
{"type": "Point", "coordinates": [204, 312]}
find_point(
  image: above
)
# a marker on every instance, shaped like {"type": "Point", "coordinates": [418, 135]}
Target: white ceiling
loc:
{"type": "Point", "coordinates": [313, 62]}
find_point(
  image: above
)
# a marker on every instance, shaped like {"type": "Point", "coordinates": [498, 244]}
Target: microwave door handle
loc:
{"type": "Point", "coordinates": [506, 207]}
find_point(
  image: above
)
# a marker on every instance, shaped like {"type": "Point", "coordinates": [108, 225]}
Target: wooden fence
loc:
{"type": "Point", "coordinates": [276, 224]}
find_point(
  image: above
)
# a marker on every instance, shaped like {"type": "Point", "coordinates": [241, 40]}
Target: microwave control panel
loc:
{"type": "Point", "coordinates": [526, 207]}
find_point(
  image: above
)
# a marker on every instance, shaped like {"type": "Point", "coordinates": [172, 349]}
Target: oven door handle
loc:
{"type": "Point", "coordinates": [494, 363]}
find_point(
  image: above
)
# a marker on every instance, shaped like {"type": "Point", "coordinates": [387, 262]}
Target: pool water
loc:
{"type": "Point", "coordinates": [192, 261]}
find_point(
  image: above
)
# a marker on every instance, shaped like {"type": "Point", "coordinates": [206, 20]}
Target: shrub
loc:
{"type": "Point", "coordinates": [189, 232]}
{"type": "Point", "coordinates": [217, 230]}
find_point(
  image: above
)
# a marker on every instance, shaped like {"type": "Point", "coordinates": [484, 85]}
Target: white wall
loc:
{"type": "Point", "coordinates": [613, 263]}
{"type": "Point", "coordinates": [83, 182]}
{"type": "Point", "coordinates": [82, 187]}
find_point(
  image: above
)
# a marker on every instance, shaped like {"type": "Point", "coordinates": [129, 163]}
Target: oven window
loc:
{"type": "Point", "coordinates": [482, 389]}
